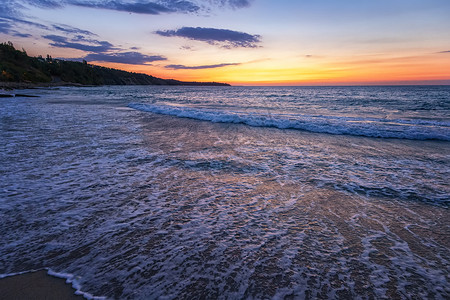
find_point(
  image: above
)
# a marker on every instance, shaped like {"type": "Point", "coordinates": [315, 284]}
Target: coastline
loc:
{"type": "Point", "coordinates": [36, 285]}
{"type": "Point", "coordinates": [135, 204]}
{"type": "Point", "coordinates": [8, 86]}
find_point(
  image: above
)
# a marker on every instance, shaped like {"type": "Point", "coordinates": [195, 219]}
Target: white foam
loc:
{"type": "Point", "coordinates": [370, 127]}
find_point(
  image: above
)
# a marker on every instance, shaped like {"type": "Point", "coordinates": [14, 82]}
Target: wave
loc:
{"type": "Point", "coordinates": [369, 127]}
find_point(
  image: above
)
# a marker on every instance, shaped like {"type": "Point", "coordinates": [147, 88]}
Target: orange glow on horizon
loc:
{"type": "Point", "coordinates": [340, 71]}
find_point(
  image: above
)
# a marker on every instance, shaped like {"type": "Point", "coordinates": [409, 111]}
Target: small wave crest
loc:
{"type": "Point", "coordinates": [340, 125]}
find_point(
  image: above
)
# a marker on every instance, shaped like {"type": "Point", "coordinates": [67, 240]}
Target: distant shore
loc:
{"type": "Point", "coordinates": [8, 86]}
{"type": "Point", "coordinates": [18, 70]}
{"type": "Point", "coordinates": [28, 85]}
{"type": "Point", "coordinates": [36, 285]}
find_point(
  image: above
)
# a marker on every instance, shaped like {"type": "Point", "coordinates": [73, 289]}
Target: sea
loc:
{"type": "Point", "coordinates": [185, 192]}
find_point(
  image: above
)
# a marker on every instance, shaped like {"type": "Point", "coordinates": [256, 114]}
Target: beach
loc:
{"type": "Point", "coordinates": [228, 192]}
{"type": "Point", "coordinates": [36, 285]}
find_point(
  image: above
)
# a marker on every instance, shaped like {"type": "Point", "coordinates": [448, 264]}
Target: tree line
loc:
{"type": "Point", "coordinates": [17, 66]}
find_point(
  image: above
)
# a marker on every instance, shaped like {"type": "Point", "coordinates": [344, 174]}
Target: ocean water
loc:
{"type": "Point", "coordinates": [229, 192]}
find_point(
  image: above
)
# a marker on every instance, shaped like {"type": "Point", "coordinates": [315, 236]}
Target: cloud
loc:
{"type": "Point", "coordinates": [69, 29]}
{"type": "Point", "coordinates": [134, 6]}
{"type": "Point", "coordinates": [152, 7]}
{"type": "Point", "coordinates": [24, 35]}
{"type": "Point", "coordinates": [90, 46]}
{"type": "Point", "coordinates": [140, 7]}
{"type": "Point", "coordinates": [45, 3]}
{"type": "Point", "coordinates": [5, 27]}
{"type": "Point", "coordinates": [183, 67]}
{"type": "Point", "coordinates": [11, 18]}
{"type": "Point", "coordinates": [234, 3]}
{"type": "Point", "coordinates": [102, 50]}
{"type": "Point", "coordinates": [226, 38]}
{"type": "Point", "coordinates": [10, 25]}
{"type": "Point", "coordinates": [447, 51]}
{"type": "Point", "coordinates": [14, 8]}
{"type": "Point", "coordinates": [10, 8]}
{"type": "Point", "coordinates": [132, 58]}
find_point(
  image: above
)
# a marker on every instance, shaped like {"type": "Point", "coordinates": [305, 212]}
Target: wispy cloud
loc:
{"type": "Point", "coordinates": [152, 7]}
{"type": "Point", "coordinates": [224, 37]}
{"type": "Point", "coordinates": [234, 3]}
{"type": "Point", "coordinates": [12, 25]}
{"type": "Point", "coordinates": [5, 26]}
{"type": "Point", "coordinates": [91, 46]}
{"type": "Point", "coordinates": [23, 35]}
{"type": "Point", "coordinates": [10, 8]}
{"type": "Point", "coordinates": [183, 67]}
{"type": "Point", "coordinates": [45, 3]}
{"type": "Point", "coordinates": [102, 51]}
{"type": "Point", "coordinates": [70, 29]}
{"type": "Point", "coordinates": [132, 58]}
{"type": "Point", "coordinates": [446, 51]}
{"type": "Point", "coordinates": [140, 7]}
{"type": "Point", "coordinates": [12, 12]}
{"type": "Point", "coordinates": [148, 7]}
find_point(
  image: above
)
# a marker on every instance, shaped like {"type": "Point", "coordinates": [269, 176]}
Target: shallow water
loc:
{"type": "Point", "coordinates": [137, 204]}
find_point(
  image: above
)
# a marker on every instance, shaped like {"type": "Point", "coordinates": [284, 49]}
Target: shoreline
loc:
{"type": "Point", "coordinates": [37, 285]}
{"type": "Point", "coordinates": [9, 86]}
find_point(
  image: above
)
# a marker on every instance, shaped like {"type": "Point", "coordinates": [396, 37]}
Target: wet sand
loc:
{"type": "Point", "coordinates": [36, 285]}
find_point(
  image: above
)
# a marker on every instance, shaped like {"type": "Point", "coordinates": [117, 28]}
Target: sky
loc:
{"type": "Point", "coordinates": [243, 42]}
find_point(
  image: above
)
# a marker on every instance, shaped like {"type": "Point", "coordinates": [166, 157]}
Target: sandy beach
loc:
{"type": "Point", "coordinates": [151, 192]}
{"type": "Point", "coordinates": [36, 285]}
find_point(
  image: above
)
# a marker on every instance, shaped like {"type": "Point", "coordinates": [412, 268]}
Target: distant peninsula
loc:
{"type": "Point", "coordinates": [18, 70]}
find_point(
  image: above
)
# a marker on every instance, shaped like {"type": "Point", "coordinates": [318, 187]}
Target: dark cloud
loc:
{"type": "Point", "coordinates": [185, 48]}
{"type": "Point", "coordinates": [24, 35]}
{"type": "Point", "coordinates": [103, 50]}
{"type": "Point", "coordinates": [154, 7]}
{"type": "Point", "coordinates": [10, 8]}
{"type": "Point", "coordinates": [30, 23]}
{"type": "Point", "coordinates": [447, 51]}
{"type": "Point", "coordinates": [11, 11]}
{"type": "Point", "coordinates": [182, 67]}
{"type": "Point", "coordinates": [226, 38]}
{"type": "Point", "coordinates": [233, 3]}
{"type": "Point", "coordinates": [11, 25]}
{"type": "Point", "coordinates": [132, 58]}
{"type": "Point", "coordinates": [140, 7]}
{"type": "Point", "coordinates": [89, 45]}
{"type": "Point", "coordinates": [239, 3]}
{"type": "Point", "coordinates": [70, 29]}
{"type": "Point", "coordinates": [13, 20]}
{"type": "Point", "coordinates": [45, 3]}
{"type": "Point", "coordinates": [5, 26]}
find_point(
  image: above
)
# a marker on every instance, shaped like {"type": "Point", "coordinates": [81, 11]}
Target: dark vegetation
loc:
{"type": "Point", "coordinates": [16, 66]}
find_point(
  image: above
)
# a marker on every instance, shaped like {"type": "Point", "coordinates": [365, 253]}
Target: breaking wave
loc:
{"type": "Point", "coordinates": [417, 129]}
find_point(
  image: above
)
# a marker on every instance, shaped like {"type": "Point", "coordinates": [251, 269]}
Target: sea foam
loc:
{"type": "Point", "coordinates": [339, 125]}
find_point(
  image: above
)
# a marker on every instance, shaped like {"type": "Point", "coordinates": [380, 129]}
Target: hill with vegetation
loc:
{"type": "Point", "coordinates": [17, 67]}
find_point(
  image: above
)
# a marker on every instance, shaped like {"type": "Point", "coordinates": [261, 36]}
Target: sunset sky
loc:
{"type": "Point", "coordinates": [257, 42]}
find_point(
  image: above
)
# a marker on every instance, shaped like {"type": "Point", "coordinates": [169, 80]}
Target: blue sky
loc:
{"type": "Point", "coordinates": [242, 41]}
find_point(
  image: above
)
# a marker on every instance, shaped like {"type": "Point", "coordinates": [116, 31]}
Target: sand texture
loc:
{"type": "Point", "coordinates": [36, 285]}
